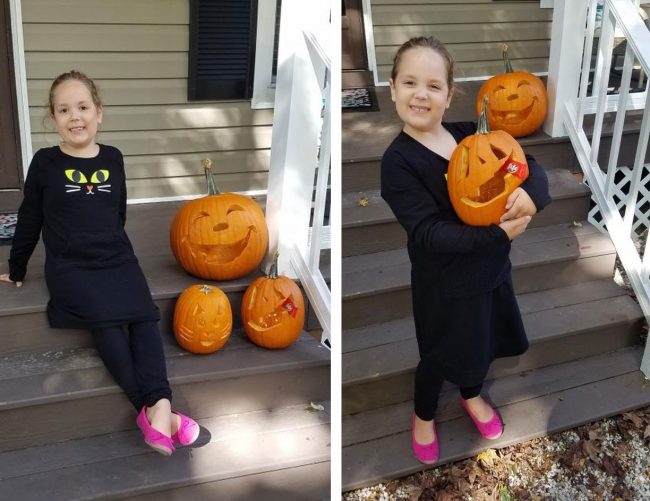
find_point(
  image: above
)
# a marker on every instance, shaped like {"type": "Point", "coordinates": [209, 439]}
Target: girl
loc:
{"type": "Point", "coordinates": [76, 194]}
{"type": "Point", "coordinates": [464, 306]}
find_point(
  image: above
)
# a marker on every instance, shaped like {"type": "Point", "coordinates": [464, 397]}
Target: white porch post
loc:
{"type": "Point", "coordinates": [295, 136]}
{"type": "Point", "coordinates": [567, 39]}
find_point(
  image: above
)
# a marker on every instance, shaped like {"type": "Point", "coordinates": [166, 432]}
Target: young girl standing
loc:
{"type": "Point", "coordinates": [464, 306]}
{"type": "Point", "coordinates": [75, 193]}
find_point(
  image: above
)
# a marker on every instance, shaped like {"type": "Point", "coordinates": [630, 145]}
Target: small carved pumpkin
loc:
{"type": "Point", "coordinates": [273, 310]}
{"type": "Point", "coordinates": [220, 236]}
{"type": "Point", "coordinates": [517, 100]}
{"type": "Point", "coordinates": [202, 319]}
{"type": "Point", "coordinates": [484, 169]}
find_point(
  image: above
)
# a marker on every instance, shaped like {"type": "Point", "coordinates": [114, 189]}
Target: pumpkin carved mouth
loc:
{"type": "Point", "coordinates": [514, 117]}
{"type": "Point", "coordinates": [219, 253]}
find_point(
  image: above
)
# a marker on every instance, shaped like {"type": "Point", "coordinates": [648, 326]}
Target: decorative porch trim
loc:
{"type": "Point", "coordinates": [263, 86]}
{"type": "Point", "coordinates": [22, 105]}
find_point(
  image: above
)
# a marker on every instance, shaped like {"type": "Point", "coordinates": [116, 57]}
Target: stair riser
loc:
{"type": "Point", "coordinates": [36, 334]}
{"type": "Point", "coordinates": [98, 415]}
{"type": "Point", "coordinates": [300, 483]}
{"type": "Point", "coordinates": [391, 236]}
{"type": "Point", "coordinates": [385, 306]}
{"type": "Point", "coordinates": [399, 388]}
{"type": "Point", "coordinates": [365, 175]}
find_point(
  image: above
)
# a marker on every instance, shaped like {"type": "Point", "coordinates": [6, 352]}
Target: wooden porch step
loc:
{"type": "Point", "coordinates": [377, 443]}
{"type": "Point", "coordinates": [22, 310]}
{"type": "Point", "coordinates": [280, 453]}
{"type": "Point", "coordinates": [74, 390]}
{"type": "Point", "coordinates": [373, 227]}
{"type": "Point", "coordinates": [563, 324]}
{"type": "Point", "coordinates": [376, 287]}
{"type": "Point", "coordinates": [365, 137]}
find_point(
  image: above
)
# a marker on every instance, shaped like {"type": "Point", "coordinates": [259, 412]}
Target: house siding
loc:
{"type": "Point", "coordinates": [472, 30]}
{"type": "Point", "coordinates": [137, 53]}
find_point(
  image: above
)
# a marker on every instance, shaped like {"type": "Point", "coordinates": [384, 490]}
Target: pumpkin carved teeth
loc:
{"type": "Point", "coordinates": [514, 116]}
{"type": "Point", "coordinates": [220, 253]}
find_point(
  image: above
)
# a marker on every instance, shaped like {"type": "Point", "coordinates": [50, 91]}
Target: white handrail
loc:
{"type": "Point", "coordinates": [619, 191]}
{"type": "Point", "coordinates": [301, 145]}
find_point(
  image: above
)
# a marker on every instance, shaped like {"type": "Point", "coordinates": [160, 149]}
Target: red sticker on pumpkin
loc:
{"type": "Point", "coordinates": [290, 307]}
{"type": "Point", "coordinates": [519, 169]}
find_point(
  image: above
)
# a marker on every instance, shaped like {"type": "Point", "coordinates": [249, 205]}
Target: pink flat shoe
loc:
{"type": "Point", "coordinates": [426, 453]}
{"type": "Point", "coordinates": [153, 438]}
{"type": "Point", "coordinates": [491, 429]}
{"type": "Point", "coordinates": [188, 430]}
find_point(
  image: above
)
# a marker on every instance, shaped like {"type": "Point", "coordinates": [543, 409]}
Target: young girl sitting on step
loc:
{"type": "Point", "coordinates": [464, 306]}
{"type": "Point", "coordinates": [75, 193]}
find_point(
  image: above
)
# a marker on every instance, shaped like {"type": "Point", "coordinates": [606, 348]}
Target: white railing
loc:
{"type": "Point", "coordinates": [619, 191]}
{"type": "Point", "coordinates": [300, 152]}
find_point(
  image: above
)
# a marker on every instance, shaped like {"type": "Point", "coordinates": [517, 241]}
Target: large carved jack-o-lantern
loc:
{"type": "Point", "coordinates": [517, 100]}
{"type": "Point", "coordinates": [220, 236]}
{"type": "Point", "coordinates": [202, 319]}
{"type": "Point", "coordinates": [484, 169]}
{"type": "Point", "coordinates": [273, 310]}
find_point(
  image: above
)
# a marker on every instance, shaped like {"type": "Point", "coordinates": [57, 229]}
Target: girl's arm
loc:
{"type": "Point", "coordinates": [536, 185]}
{"type": "Point", "coordinates": [417, 211]}
{"type": "Point", "coordinates": [28, 227]}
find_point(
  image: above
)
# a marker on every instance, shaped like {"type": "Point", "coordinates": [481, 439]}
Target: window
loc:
{"type": "Point", "coordinates": [222, 49]}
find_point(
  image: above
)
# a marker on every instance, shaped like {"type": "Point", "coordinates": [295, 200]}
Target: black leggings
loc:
{"type": "Point", "coordinates": [428, 383]}
{"type": "Point", "coordinates": [136, 361]}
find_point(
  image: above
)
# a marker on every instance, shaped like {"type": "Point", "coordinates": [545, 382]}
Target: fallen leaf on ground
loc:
{"type": "Point", "coordinates": [363, 201]}
{"type": "Point", "coordinates": [487, 458]}
{"type": "Point", "coordinates": [314, 407]}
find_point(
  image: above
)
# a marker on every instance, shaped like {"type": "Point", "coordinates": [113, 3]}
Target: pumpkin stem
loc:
{"type": "Point", "coordinates": [273, 270]}
{"type": "Point", "coordinates": [483, 126]}
{"type": "Point", "coordinates": [209, 178]}
{"type": "Point", "coordinates": [506, 59]}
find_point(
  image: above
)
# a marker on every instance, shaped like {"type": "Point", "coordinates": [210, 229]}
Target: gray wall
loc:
{"type": "Point", "coordinates": [472, 30]}
{"type": "Point", "coordinates": [137, 52]}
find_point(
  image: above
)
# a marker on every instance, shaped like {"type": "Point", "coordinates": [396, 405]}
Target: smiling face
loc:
{"type": "Point", "coordinates": [219, 237]}
{"type": "Point", "coordinates": [76, 117]}
{"type": "Point", "coordinates": [420, 90]}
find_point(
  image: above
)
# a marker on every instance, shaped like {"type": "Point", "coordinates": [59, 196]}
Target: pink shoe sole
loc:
{"type": "Point", "coordinates": [492, 429]}
{"type": "Point", "coordinates": [153, 438]}
{"type": "Point", "coordinates": [188, 430]}
{"type": "Point", "coordinates": [425, 453]}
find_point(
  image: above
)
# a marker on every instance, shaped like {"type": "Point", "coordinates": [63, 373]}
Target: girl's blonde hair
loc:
{"type": "Point", "coordinates": [429, 43]}
{"type": "Point", "coordinates": [74, 75]}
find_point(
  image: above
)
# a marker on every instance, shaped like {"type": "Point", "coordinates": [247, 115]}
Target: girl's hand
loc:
{"type": "Point", "coordinates": [5, 278]}
{"type": "Point", "coordinates": [519, 204]}
{"type": "Point", "coordinates": [515, 227]}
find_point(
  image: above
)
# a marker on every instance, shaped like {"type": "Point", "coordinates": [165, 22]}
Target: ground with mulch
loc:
{"type": "Point", "coordinates": [605, 460]}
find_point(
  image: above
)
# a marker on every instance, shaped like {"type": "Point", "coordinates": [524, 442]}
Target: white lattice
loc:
{"type": "Point", "coordinates": [620, 193]}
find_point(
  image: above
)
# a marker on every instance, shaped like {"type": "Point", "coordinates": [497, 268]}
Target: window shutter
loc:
{"type": "Point", "coordinates": [222, 49]}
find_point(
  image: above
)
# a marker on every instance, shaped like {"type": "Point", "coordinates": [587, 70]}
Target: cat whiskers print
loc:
{"type": "Point", "coordinates": [96, 179]}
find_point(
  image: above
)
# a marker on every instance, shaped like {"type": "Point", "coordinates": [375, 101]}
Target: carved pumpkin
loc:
{"type": "Point", "coordinates": [202, 319]}
{"type": "Point", "coordinates": [220, 236]}
{"type": "Point", "coordinates": [517, 100]}
{"type": "Point", "coordinates": [273, 310]}
{"type": "Point", "coordinates": [484, 169]}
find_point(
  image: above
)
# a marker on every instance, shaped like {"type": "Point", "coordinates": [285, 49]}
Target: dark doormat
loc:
{"type": "Point", "coordinates": [362, 99]}
{"type": "Point", "coordinates": [7, 227]}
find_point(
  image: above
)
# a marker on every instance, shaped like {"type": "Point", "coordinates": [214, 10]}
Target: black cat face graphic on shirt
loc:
{"type": "Point", "coordinates": [97, 180]}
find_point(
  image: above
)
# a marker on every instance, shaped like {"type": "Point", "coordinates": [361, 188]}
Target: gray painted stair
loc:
{"type": "Point", "coordinates": [377, 443]}
{"type": "Point", "coordinates": [253, 447]}
{"type": "Point", "coordinates": [373, 227]}
{"type": "Point", "coordinates": [89, 430]}
{"type": "Point", "coordinates": [584, 330]}
{"type": "Point", "coordinates": [376, 287]}
{"type": "Point", "coordinates": [562, 324]}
